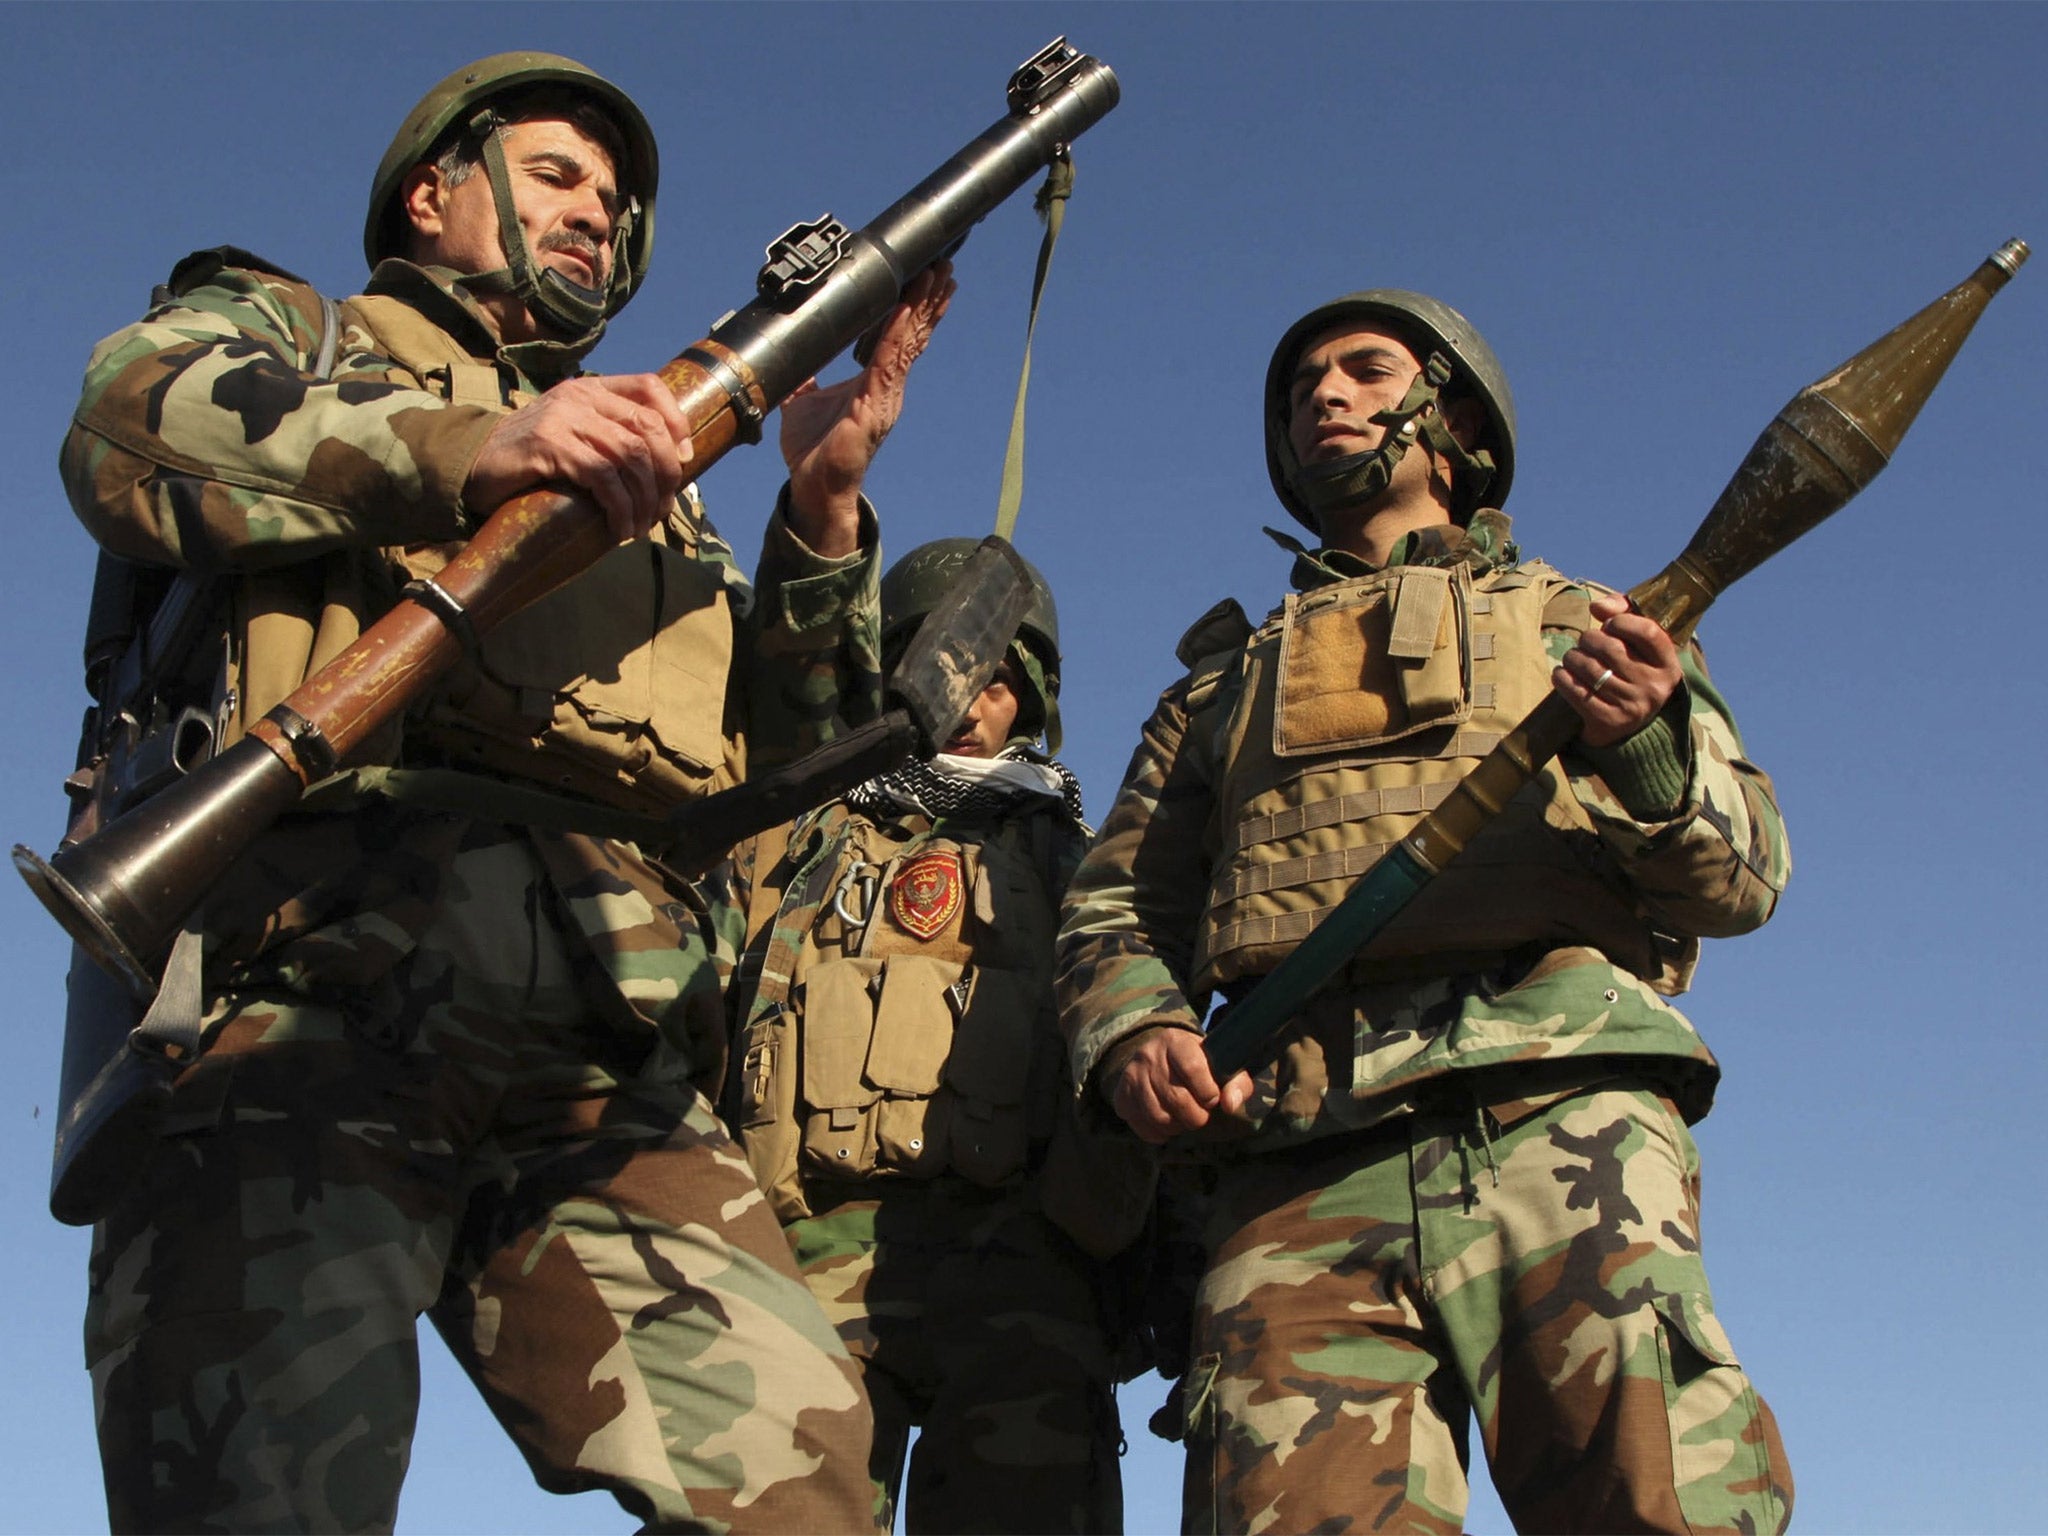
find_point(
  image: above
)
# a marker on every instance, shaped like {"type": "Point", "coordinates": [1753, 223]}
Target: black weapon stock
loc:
{"type": "Point", "coordinates": [1828, 442]}
{"type": "Point", "coordinates": [954, 653]}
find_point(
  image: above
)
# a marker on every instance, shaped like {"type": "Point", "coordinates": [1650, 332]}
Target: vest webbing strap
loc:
{"type": "Point", "coordinates": [1283, 928]}
{"type": "Point", "coordinates": [809, 887]}
{"type": "Point", "coordinates": [1285, 874]}
{"type": "Point", "coordinates": [1462, 742]}
{"type": "Point", "coordinates": [1401, 800]}
{"type": "Point", "coordinates": [763, 900]}
{"type": "Point", "coordinates": [1052, 204]}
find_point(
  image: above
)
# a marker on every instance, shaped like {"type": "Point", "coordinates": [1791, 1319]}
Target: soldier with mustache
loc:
{"type": "Point", "coordinates": [458, 1030]}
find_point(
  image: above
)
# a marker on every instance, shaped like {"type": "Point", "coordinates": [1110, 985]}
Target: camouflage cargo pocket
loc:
{"type": "Point", "coordinates": [327, 905]}
{"type": "Point", "coordinates": [1722, 1437]}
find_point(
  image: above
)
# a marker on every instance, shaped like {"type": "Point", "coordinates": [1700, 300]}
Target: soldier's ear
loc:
{"type": "Point", "coordinates": [1467, 419]}
{"type": "Point", "coordinates": [423, 195]}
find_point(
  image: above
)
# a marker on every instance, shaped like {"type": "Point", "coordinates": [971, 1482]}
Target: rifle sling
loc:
{"type": "Point", "coordinates": [1052, 203]}
{"type": "Point", "coordinates": [170, 1030]}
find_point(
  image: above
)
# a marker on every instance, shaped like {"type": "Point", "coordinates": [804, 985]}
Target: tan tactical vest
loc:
{"type": "Point", "coordinates": [1361, 704]}
{"type": "Point", "coordinates": [913, 1035]}
{"type": "Point", "coordinates": [613, 687]}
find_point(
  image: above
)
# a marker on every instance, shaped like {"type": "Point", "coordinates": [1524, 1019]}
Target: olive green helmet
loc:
{"type": "Point", "coordinates": [462, 101]}
{"type": "Point", "coordinates": [1456, 360]}
{"type": "Point", "coordinates": [912, 587]}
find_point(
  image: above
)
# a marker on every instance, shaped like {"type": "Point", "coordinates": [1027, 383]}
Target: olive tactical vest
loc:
{"type": "Point", "coordinates": [1355, 709]}
{"type": "Point", "coordinates": [609, 687]}
{"type": "Point", "coordinates": [903, 1024]}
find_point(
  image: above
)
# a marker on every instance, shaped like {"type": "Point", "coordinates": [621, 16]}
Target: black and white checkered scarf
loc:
{"type": "Point", "coordinates": [970, 788]}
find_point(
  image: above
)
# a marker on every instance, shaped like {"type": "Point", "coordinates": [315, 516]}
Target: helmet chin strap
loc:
{"type": "Point", "coordinates": [1358, 477]}
{"type": "Point", "coordinates": [1045, 684]}
{"type": "Point", "coordinates": [577, 313]}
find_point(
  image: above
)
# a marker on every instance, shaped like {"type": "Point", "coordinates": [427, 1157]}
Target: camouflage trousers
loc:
{"type": "Point", "coordinates": [472, 1140]}
{"type": "Point", "coordinates": [976, 1319]}
{"type": "Point", "coordinates": [1365, 1294]}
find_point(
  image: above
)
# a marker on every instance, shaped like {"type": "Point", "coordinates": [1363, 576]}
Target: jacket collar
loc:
{"type": "Point", "coordinates": [1484, 544]}
{"type": "Point", "coordinates": [436, 294]}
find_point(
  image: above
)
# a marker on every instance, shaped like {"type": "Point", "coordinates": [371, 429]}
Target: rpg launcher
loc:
{"type": "Point", "coordinates": [125, 892]}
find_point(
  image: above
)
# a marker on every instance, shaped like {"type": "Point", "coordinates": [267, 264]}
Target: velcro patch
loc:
{"type": "Point", "coordinates": [927, 893]}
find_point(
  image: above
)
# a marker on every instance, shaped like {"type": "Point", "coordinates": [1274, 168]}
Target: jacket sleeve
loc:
{"type": "Point", "coordinates": [1128, 925]}
{"type": "Point", "coordinates": [201, 440]}
{"type": "Point", "coordinates": [1692, 820]}
{"type": "Point", "coordinates": [746, 896]}
{"type": "Point", "coordinates": [811, 642]}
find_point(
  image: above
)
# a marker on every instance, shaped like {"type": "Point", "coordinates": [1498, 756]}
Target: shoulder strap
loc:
{"type": "Point", "coordinates": [196, 268]}
{"type": "Point", "coordinates": [1223, 628]}
{"type": "Point", "coordinates": [809, 886]}
{"type": "Point", "coordinates": [764, 899]}
{"type": "Point", "coordinates": [330, 338]}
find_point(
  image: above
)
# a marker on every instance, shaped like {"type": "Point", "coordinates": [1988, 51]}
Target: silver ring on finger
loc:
{"type": "Point", "coordinates": [1600, 682]}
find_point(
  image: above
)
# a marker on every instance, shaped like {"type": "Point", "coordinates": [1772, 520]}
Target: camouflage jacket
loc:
{"type": "Point", "coordinates": [1679, 820]}
{"type": "Point", "coordinates": [202, 442]}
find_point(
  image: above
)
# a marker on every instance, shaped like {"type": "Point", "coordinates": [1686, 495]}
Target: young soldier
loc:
{"type": "Point", "coordinates": [1462, 1179]}
{"type": "Point", "coordinates": [454, 1058]}
{"type": "Point", "coordinates": [897, 1085]}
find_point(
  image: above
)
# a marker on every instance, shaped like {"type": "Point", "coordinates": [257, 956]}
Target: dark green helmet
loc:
{"type": "Point", "coordinates": [912, 587]}
{"type": "Point", "coordinates": [463, 101]}
{"type": "Point", "coordinates": [1456, 361]}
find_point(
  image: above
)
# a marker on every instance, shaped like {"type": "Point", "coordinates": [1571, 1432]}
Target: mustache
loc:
{"type": "Point", "coordinates": [575, 240]}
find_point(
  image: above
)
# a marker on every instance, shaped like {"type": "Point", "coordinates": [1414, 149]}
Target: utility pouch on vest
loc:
{"type": "Point", "coordinates": [1372, 661]}
{"type": "Point", "coordinates": [907, 1059]}
{"type": "Point", "coordinates": [884, 1063]}
{"type": "Point", "coordinates": [839, 1021]}
{"type": "Point", "coordinates": [602, 686]}
{"type": "Point", "coordinates": [913, 1025]}
{"type": "Point", "coordinates": [767, 1120]}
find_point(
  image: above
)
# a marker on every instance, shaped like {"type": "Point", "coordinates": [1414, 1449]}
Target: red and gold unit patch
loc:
{"type": "Point", "coordinates": [926, 893]}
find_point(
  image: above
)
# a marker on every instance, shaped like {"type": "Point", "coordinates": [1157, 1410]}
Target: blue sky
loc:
{"type": "Point", "coordinates": [1665, 218]}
